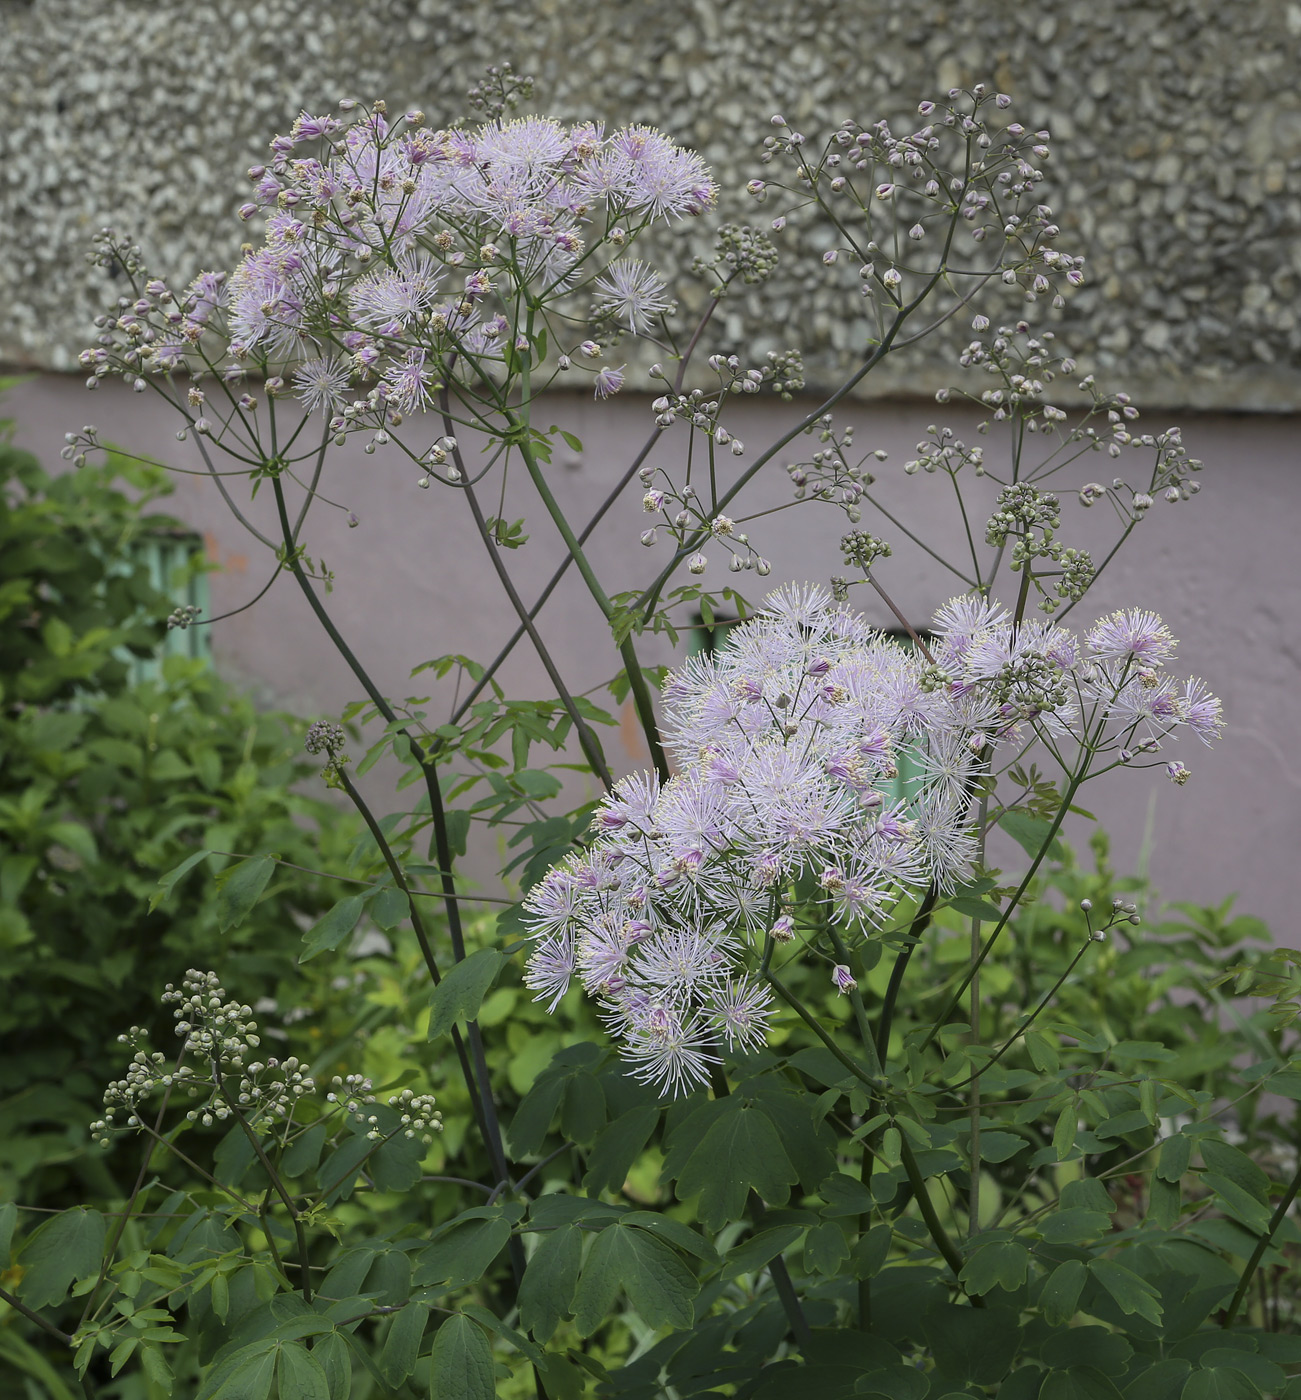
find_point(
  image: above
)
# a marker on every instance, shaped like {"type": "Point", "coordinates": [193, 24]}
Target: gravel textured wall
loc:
{"type": "Point", "coordinates": [1177, 127]}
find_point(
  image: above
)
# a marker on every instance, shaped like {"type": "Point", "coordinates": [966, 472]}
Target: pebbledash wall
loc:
{"type": "Point", "coordinates": [1176, 168]}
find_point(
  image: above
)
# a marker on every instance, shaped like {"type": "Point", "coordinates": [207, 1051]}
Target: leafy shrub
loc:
{"type": "Point", "coordinates": [105, 783]}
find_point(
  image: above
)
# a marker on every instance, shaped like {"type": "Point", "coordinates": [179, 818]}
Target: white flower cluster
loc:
{"type": "Point", "coordinates": [222, 1038]}
{"type": "Point", "coordinates": [785, 744]}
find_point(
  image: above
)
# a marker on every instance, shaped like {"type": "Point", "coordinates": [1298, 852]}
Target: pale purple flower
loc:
{"type": "Point", "coordinates": [602, 950]}
{"type": "Point", "coordinates": [1200, 711]}
{"type": "Point", "coordinates": [410, 382]}
{"type": "Point", "coordinates": [659, 176]}
{"type": "Point", "coordinates": [685, 965]}
{"type": "Point", "coordinates": [633, 291]}
{"type": "Point", "coordinates": [525, 144]}
{"type": "Point", "coordinates": [783, 929]}
{"type": "Point", "coordinates": [843, 979]}
{"type": "Point", "coordinates": [741, 1011]}
{"type": "Point", "coordinates": [550, 969]}
{"type": "Point", "coordinates": [785, 744]}
{"type": "Point", "coordinates": [392, 297]}
{"type": "Point", "coordinates": [1134, 634]}
{"type": "Point", "coordinates": [670, 1051]}
{"type": "Point", "coordinates": [206, 294]}
{"type": "Point", "coordinates": [609, 380]}
{"type": "Point", "coordinates": [321, 383]}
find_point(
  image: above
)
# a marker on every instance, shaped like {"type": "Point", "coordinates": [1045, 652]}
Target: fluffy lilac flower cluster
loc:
{"type": "Point", "coordinates": [390, 245]}
{"type": "Point", "coordinates": [785, 744]}
{"type": "Point", "coordinates": [1038, 680]}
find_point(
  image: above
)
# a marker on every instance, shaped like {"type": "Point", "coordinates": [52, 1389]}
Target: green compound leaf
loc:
{"type": "Point", "coordinates": [533, 1117]}
{"type": "Point", "coordinates": [1061, 1292]}
{"type": "Point", "coordinates": [672, 1232]}
{"type": "Point", "coordinates": [66, 1248]}
{"type": "Point", "coordinates": [1074, 1226]}
{"type": "Point", "coordinates": [1002, 1264]}
{"type": "Point", "coordinates": [1079, 1383]}
{"type": "Point", "coordinates": [8, 1218]}
{"type": "Point", "coordinates": [825, 1249]}
{"type": "Point", "coordinates": [805, 1137]}
{"type": "Point", "coordinates": [300, 1374]}
{"type": "Point", "coordinates": [617, 1147]}
{"type": "Point", "coordinates": [168, 882]}
{"type": "Point", "coordinates": [1220, 1383]}
{"type": "Point", "coordinates": [390, 908]}
{"type": "Point", "coordinates": [1163, 1204]}
{"type": "Point", "coordinates": [1097, 1348]}
{"type": "Point", "coordinates": [332, 1353]}
{"type": "Point", "coordinates": [1238, 1203]}
{"type": "Point", "coordinates": [970, 1345]}
{"type": "Point", "coordinates": [740, 1152]}
{"type": "Point", "coordinates": [463, 1254]}
{"type": "Point", "coordinates": [155, 1366]}
{"type": "Point", "coordinates": [1163, 1381]}
{"type": "Point", "coordinates": [1131, 1293]}
{"type": "Point", "coordinates": [1064, 1132]}
{"type": "Point", "coordinates": [461, 992]}
{"type": "Point", "coordinates": [1237, 1167]}
{"type": "Point", "coordinates": [660, 1287]}
{"type": "Point", "coordinates": [549, 1281]}
{"type": "Point", "coordinates": [304, 1152]}
{"type": "Point", "coordinates": [1030, 833]}
{"type": "Point", "coordinates": [1087, 1194]}
{"type": "Point", "coordinates": [1265, 1374]}
{"type": "Point", "coordinates": [758, 1250]}
{"type": "Point", "coordinates": [402, 1345]}
{"type": "Point", "coordinates": [389, 1278]}
{"type": "Point", "coordinates": [333, 927]}
{"type": "Point", "coordinates": [243, 1377]}
{"type": "Point", "coordinates": [583, 1113]}
{"type": "Point", "coordinates": [461, 1362]}
{"type": "Point", "coordinates": [1000, 1147]}
{"type": "Point", "coordinates": [239, 887]}
{"type": "Point", "coordinates": [1173, 1160]}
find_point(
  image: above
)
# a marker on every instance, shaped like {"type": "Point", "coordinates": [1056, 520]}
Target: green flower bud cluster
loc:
{"type": "Point", "coordinates": [232, 1083]}
{"type": "Point", "coordinates": [741, 250]}
{"type": "Point", "coordinates": [863, 549]}
{"type": "Point", "coordinates": [1022, 509]}
{"type": "Point", "coordinates": [1030, 685]}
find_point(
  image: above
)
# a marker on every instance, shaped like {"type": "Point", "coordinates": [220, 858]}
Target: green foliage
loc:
{"type": "Point", "coordinates": [105, 784]}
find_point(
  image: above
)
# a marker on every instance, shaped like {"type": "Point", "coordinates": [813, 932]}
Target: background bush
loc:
{"type": "Point", "coordinates": [105, 784]}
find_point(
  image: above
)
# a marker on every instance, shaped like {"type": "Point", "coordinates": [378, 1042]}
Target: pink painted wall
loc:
{"type": "Point", "coordinates": [412, 581]}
